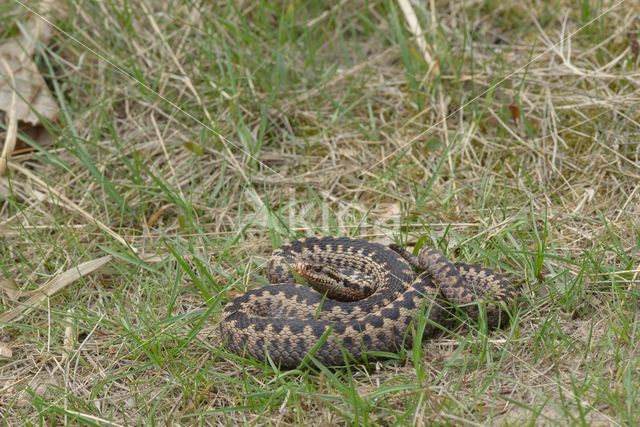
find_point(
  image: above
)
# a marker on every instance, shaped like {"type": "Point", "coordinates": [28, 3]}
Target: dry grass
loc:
{"type": "Point", "coordinates": [195, 137]}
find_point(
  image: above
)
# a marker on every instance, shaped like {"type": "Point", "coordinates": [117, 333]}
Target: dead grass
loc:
{"type": "Point", "coordinates": [196, 137]}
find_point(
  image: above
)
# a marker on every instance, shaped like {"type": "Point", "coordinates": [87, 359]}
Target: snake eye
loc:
{"type": "Point", "coordinates": [308, 268]}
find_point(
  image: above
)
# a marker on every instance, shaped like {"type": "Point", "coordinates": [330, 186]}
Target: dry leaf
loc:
{"type": "Point", "coordinates": [5, 350]}
{"type": "Point", "coordinates": [24, 95]}
{"type": "Point", "coordinates": [12, 120]}
{"type": "Point", "coordinates": [53, 286]}
{"type": "Point", "coordinates": [515, 112]}
{"type": "Point", "coordinates": [19, 72]}
{"type": "Point", "coordinates": [39, 134]}
{"type": "Point", "coordinates": [29, 83]}
{"type": "Point", "coordinates": [10, 288]}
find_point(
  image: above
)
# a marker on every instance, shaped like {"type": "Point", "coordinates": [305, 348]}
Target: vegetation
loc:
{"type": "Point", "coordinates": [198, 136]}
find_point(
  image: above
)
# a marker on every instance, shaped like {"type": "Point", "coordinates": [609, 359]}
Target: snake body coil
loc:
{"type": "Point", "coordinates": [367, 297]}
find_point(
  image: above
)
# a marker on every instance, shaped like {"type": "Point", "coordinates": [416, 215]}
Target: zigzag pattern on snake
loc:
{"type": "Point", "coordinates": [368, 296]}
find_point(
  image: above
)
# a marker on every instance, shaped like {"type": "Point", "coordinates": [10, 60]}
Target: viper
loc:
{"type": "Point", "coordinates": [360, 299]}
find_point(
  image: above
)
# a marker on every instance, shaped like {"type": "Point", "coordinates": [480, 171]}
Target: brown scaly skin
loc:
{"type": "Point", "coordinates": [286, 320]}
{"type": "Point", "coordinates": [329, 281]}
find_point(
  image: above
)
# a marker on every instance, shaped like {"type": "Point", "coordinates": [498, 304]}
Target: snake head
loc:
{"type": "Point", "coordinates": [316, 274]}
{"type": "Point", "coordinates": [431, 258]}
{"type": "Point", "coordinates": [329, 281]}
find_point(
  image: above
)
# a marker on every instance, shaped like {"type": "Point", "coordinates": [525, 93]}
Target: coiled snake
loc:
{"type": "Point", "coordinates": [366, 298]}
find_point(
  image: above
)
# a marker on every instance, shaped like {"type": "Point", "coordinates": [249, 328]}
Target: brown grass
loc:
{"type": "Point", "coordinates": [196, 137]}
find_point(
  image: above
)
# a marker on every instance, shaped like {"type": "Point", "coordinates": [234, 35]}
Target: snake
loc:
{"type": "Point", "coordinates": [342, 300]}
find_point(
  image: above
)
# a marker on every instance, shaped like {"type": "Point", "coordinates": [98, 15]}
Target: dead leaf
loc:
{"type": "Point", "coordinates": [515, 112]}
{"type": "Point", "coordinates": [24, 95]}
{"type": "Point", "coordinates": [12, 128]}
{"type": "Point", "coordinates": [10, 288]}
{"type": "Point", "coordinates": [39, 134]}
{"type": "Point", "coordinates": [53, 286]}
{"type": "Point", "coordinates": [5, 350]}
{"type": "Point", "coordinates": [29, 84]}
{"type": "Point", "coordinates": [20, 75]}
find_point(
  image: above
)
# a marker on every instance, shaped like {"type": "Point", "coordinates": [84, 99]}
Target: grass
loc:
{"type": "Point", "coordinates": [205, 134]}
